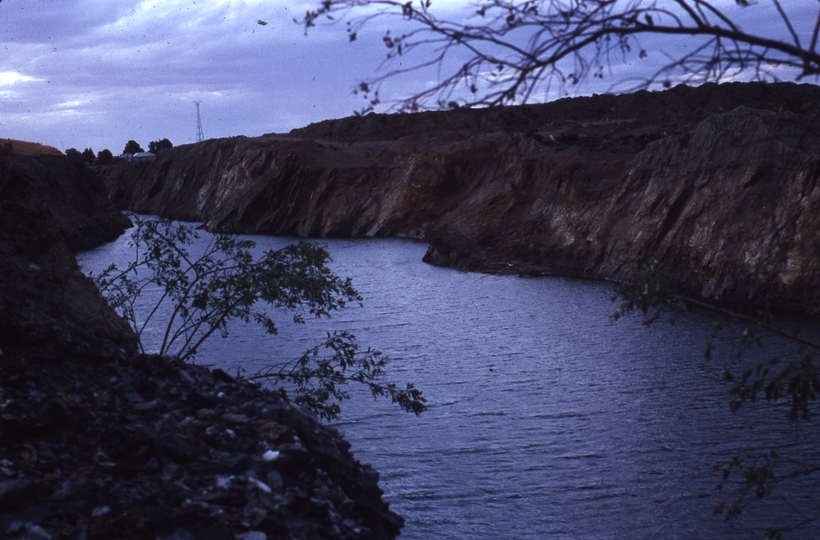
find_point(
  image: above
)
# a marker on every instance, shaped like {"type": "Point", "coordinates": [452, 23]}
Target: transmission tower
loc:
{"type": "Point", "coordinates": [200, 136]}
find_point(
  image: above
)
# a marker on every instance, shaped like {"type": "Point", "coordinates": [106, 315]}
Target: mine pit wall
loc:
{"type": "Point", "coordinates": [50, 208]}
{"type": "Point", "coordinates": [729, 201]}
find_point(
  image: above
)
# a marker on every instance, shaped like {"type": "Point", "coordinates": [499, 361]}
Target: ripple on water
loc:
{"type": "Point", "coordinates": [547, 419]}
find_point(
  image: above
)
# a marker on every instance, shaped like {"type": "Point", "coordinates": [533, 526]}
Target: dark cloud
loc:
{"type": "Point", "coordinates": [95, 73]}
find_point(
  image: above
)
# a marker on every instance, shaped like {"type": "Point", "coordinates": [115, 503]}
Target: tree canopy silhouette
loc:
{"type": "Point", "coordinates": [105, 157]}
{"type": "Point", "coordinates": [514, 51]}
{"type": "Point", "coordinates": [158, 146]}
{"type": "Point", "coordinates": [132, 147]}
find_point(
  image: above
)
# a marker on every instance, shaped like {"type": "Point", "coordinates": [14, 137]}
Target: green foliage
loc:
{"type": "Point", "coordinates": [73, 153]}
{"type": "Point", "coordinates": [797, 380]}
{"type": "Point", "coordinates": [653, 287]}
{"type": "Point", "coordinates": [200, 296]}
{"type": "Point", "coordinates": [756, 479]}
{"type": "Point", "coordinates": [320, 382]}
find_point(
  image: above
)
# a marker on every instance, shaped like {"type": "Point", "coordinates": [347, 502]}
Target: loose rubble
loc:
{"type": "Point", "coordinates": [151, 447]}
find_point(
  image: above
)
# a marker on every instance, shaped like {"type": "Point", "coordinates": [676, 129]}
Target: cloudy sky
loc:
{"type": "Point", "coordinates": [96, 73]}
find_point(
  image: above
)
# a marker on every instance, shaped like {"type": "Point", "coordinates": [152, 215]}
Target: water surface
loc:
{"type": "Point", "coordinates": [548, 419]}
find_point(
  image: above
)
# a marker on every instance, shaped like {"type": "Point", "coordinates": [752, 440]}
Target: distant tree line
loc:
{"type": "Point", "coordinates": [133, 147]}
{"type": "Point", "coordinates": [158, 146]}
{"type": "Point", "coordinates": [86, 156]}
{"type": "Point", "coordinates": [106, 156]}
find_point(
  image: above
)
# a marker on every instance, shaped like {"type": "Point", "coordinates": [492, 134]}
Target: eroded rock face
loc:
{"type": "Point", "coordinates": [733, 206]}
{"type": "Point", "coordinates": [718, 183]}
{"type": "Point", "coordinates": [51, 207]}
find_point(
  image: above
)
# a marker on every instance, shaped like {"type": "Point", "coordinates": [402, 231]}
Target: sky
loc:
{"type": "Point", "coordinates": [97, 73]}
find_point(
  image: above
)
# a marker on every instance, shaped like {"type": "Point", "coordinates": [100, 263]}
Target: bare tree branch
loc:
{"type": "Point", "coordinates": [510, 51]}
{"type": "Point", "coordinates": [788, 22]}
{"type": "Point", "coordinates": [813, 46]}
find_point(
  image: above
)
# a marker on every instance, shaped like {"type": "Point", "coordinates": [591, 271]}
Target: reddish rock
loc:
{"type": "Point", "coordinates": [719, 183]}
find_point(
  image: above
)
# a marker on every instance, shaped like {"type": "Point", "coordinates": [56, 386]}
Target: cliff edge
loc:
{"type": "Point", "coordinates": [99, 442]}
{"type": "Point", "coordinates": [719, 183]}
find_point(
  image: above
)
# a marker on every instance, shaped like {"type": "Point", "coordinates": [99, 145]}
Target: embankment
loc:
{"type": "Point", "coordinates": [718, 183]}
{"type": "Point", "coordinates": [99, 442]}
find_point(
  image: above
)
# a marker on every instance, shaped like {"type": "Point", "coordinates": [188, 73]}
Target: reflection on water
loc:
{"type": "Point", "coordinates": [548, 419]}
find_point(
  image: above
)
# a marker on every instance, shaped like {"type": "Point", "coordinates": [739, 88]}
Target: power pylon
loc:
{"type": "Point", "coordinates": [200, 136]}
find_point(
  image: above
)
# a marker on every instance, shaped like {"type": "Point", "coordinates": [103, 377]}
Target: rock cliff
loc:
{"type": "Point", "coordinates": [51, 207]}
{"type": "Point", "coordinates": [718, 183]}
{"type": "Point", "coordinates": [98, 442]}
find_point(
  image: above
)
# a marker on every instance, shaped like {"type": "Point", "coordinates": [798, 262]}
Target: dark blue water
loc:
{"type": "Point", "coordinates": [548, 419]}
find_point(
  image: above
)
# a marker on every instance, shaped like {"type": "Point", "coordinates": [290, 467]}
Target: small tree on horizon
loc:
{"type": "Point", "coordinates": [158, 146]}
{"type": "Point", "coordinates": [132, 147]}
{"type": "Point", "coordinates": [105, 157]}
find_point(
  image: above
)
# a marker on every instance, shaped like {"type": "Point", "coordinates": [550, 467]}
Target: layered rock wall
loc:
{"type": "Point", "coordinates": [718, 183]}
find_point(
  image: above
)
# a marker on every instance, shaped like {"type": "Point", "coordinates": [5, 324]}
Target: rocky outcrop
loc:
{"type": "Point", "coordinates": [151, 447]}
{"type": "Point", "coordinates": [99, 442]}
{"type": "Point", "coordinates": [718, 183]}
{"type": "Point", "coordinates": [51, 207]}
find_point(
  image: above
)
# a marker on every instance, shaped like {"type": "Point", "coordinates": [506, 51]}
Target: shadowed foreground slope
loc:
{"type": "Point", "coordinates": [98, 442]}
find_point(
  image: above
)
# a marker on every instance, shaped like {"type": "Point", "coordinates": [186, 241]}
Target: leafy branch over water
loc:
{"type": "Point", "coordinates": [795, 379]}
{"type": "Point", "coordinates": [199, 296]}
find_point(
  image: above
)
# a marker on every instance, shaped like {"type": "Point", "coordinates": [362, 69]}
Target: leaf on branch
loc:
{"type": "Point", "coordinates": [227, 282]}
